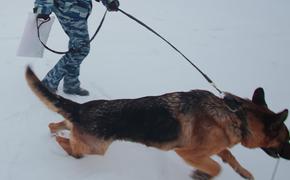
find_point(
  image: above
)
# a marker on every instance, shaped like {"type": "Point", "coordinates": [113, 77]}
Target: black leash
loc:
{"type": "Point", "coordinates": [144, 25]}
{"type": "Point", "coordinates": [177, 50]}
{"type": "Point", "coordinates": [275, 169]}
{"type": "Point", "coordinates": [64, 52]}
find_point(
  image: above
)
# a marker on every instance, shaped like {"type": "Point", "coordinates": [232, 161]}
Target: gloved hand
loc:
{"type": "Point", "coordinates": [40, 14]}
{"type": "Point", "coordinates": [112, 5]}
{"type": "Point", "coordinates": [97, 0]}
{"type": "Point", "coordinates": [43, 16]}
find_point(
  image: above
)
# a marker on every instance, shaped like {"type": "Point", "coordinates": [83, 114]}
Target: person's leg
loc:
{"type": "Point", "coordinates": [68, 67]}
{"type": "Point", "coordinates": [54, 76]}
{"type": "Point", "coordinates": [80, 46]}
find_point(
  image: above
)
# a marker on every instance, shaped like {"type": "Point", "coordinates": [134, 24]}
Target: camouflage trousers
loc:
{"type": "Point", "coordinates": [73, 19]}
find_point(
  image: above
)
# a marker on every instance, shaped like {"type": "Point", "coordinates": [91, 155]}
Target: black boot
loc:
{"type": "Point", "coordinates": [79, 91]}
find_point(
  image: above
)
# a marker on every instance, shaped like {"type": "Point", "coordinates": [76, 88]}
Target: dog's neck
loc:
{"type": "Point", "coordinates": [236, 107]}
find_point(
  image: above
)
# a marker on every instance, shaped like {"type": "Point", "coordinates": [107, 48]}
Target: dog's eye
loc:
{"type": "Point", "coordinates": [273, 132]}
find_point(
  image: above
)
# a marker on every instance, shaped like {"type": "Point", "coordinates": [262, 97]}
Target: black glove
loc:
{"type": "Point", "coordinates": [113, 6]}
{"type": "Point", "coordinates": [43, 16]}
{"type": "Point", "coordinates": [97, 0]}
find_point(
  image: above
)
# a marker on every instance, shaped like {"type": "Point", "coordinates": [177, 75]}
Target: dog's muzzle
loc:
{"type": "Point", "coordinates": [285, 151]}
{"type": "Point", "coordinates": [282, 152]}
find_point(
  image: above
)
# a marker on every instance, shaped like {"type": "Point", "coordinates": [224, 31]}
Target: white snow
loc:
{"type": "Point", "coordinates": [241, 45]}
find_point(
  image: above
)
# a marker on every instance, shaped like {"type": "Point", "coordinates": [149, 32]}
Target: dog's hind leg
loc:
{"type": "Point", "coordinates": [63, 125]}
{"type": "Point", "coordinates": [81, 143]}
{"type": "Point", "coordinates": [227, 157]}
{"type": "Point", "coordinates": [84, 143]}
{"type": "Point", "coordinates": [207, 168]}
{"type": "Point", "coordinates": [66, 145]}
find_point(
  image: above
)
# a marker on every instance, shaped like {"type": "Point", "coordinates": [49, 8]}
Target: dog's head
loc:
{"type": "Point", "coordinates": [267, 129]}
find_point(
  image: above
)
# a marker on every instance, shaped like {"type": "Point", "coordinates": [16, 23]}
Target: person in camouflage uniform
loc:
{"type": "Point", "coordinates": [72, 15]}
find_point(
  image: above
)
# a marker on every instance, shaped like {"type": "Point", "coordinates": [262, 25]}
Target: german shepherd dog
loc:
{"type": "Point", "coordinates": [195, 124]}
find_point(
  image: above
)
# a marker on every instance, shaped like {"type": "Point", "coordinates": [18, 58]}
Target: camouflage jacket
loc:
{"type": "Point", "coordinates": [46, 6]}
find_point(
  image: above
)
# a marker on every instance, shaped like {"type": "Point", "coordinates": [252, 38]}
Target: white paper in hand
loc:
{"type": "Point", "coordinates": [30, 46]}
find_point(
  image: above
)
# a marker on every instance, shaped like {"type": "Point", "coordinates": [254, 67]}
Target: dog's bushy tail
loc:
{"type": "Point", "coordinates": [65, 107]}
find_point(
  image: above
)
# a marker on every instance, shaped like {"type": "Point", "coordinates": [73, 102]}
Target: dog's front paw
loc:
{"type": "Point", "coordinates": [250, 177]}
{"type": "Point", "coordinates": [245, 174]}
{"type": "Point", "coordinates": [199, 175]}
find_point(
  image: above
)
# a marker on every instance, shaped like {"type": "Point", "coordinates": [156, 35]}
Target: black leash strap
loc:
{"type": "Point", "coordinates": [275, 169]}
{"type": "Point", "coordinates": [38, 35]}
{"type": "Point", "coordinates": [64, 52]}
{"type": "Point", "coordinates": [150, 29]}
{"type": "Point", "coordinates": [144, 25]}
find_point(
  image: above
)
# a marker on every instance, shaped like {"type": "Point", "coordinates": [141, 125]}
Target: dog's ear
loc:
{"type": "Point", "coordinates": [259, 97]}
{"type": "Point", "coordinates": [282, 116]}
{"type": "Point", "coordinates": [278, 120]}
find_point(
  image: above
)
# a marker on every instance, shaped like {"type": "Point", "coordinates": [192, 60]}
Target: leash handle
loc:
{"type": "Point", "coordinates": [177, 50]}
{"type": "Point", "coordinates": [64, 52]}
{"type": "Point", "coordinates": [38, 35]}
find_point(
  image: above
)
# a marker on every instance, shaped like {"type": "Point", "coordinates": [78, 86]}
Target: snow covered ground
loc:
{"type": "Point", "coordinates": [241, 45]}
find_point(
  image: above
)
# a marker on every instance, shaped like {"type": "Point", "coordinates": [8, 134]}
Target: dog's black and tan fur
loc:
{"type": "Point", "coordinates": [195, 124]}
